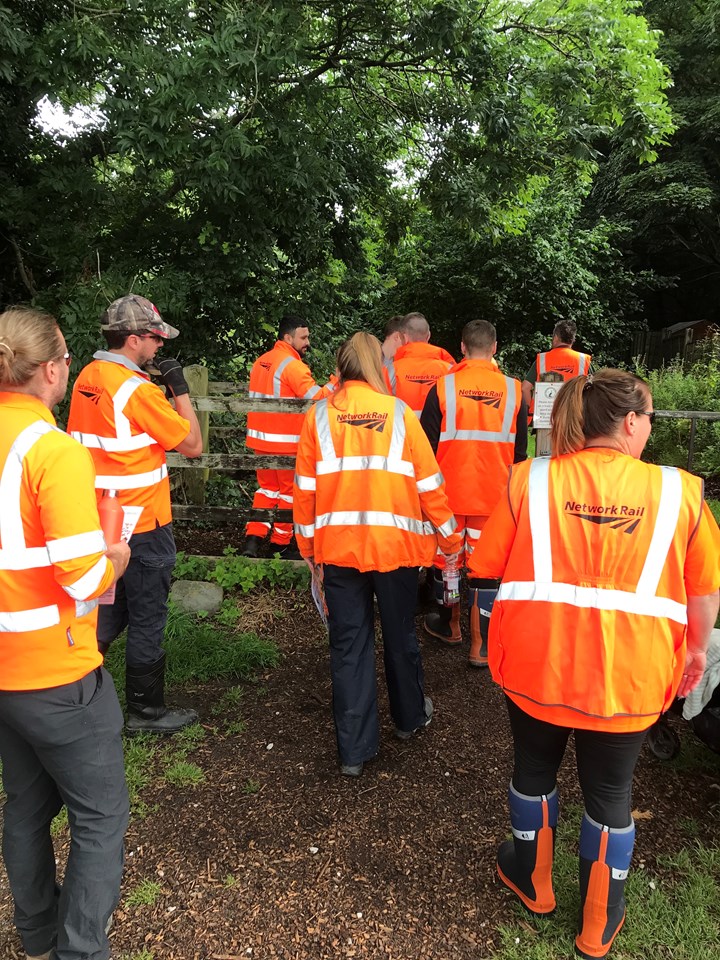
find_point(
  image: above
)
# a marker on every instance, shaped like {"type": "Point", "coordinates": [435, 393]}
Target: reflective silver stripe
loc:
{"type": "Point", "coordinates": [430, 483]}
{"type": "Point", "coordinates": [131, 481]}
{"type": "Point", "coordinates": [23, 621]}
{"type": "Point", "coordinates": [79, 545]}
{"type": "Point", "coordinates": [542, 363]}
{"type": "Point", "coordinates": [392, 375]}
{"type": "Point", "coordinates": [305, 529]}
{"type": "Point", "coordinates": [285, 497]}
{"type": "Point", "coordinates": [12, 534]}
{"type": "Point", "coordinates": [539, 508]}
{"type": "Point", "coordinates": [270, 494]}
{"type": "Point", "coordinates": [397, 440]}
{"type": "Point", "coordinates": [305, 483]}
{"type": "Point", "coordinates": [418, 413]}
{"type": "Point", "coordinates": [84, 607]}
{"type": "Point", "coordinates": [643, 600]}
{"type": "Point", "coordinates": [277, 385]}
{"type": "Point", "coordinates": [664, 532]}
{"type": "Point", "coordinates": [30, 558]}
{"type": "Point", "coordinates": [113, 444]}
{"type": "Point", "coordinates": [257, 395]}
{"type": "Point", "coordinates": [370, 518]}
{"type": "Point", "coordinates": [595, 598]}
{"type": "Point", "coordinates": [341, 464]}
{"type": "Point", "coordinates": [88, 582]}
{"type": "Point", "coordinates": [506, 434]}
{"type": "Point", "coordinates": [448, 528]}
{"type": "Point", "coordinates": [584, 365]}
{"type": "Point", "coordinates": [274, 437]}
{"type": "Point", "coordinates": [322, 425]}
{"type": "Point", "coordinates": [312, 392]}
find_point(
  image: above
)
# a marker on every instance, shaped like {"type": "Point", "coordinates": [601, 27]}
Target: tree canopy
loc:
{"type": "Point", "coordinates": [244, 158]}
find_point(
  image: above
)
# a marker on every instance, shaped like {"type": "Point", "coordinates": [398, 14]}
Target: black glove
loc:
{"type": "Point", "coordinates": [172, 376]}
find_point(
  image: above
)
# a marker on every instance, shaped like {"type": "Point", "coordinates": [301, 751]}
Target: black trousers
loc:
{"type": "Point", "coordinates": [605, 764]}
{"type": "Point", "coordinates": [349, 595]}
{"type": "Point", "coordinates": [141, 597]}
{"type": "Point", "coordinates": [63, 745]}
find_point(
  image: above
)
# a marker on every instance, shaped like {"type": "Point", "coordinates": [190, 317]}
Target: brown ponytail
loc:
{"type": "Point", "coordinates": [28, 338]}
{"type": "Point", "coordinates": [594, 406]}
{"type": "Point", "coordinates": [360, 358]}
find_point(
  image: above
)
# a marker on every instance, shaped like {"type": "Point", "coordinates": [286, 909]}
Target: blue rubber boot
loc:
{"type": "Point", "coordinates": [605, 854]}
{"type": "Point", "coordinates": [524, 864]}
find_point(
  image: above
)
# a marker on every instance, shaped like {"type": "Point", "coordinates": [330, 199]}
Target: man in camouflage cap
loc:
{"type": "Point", "coordinates": [128, 424]}
{"type": "Point", "coordinates": [134, 314]}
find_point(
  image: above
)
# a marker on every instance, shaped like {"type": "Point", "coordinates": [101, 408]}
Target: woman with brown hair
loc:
{"type": "Point", "coordinates": [610, 570]}
{"type": "Point", "coordinates": [370, 506]}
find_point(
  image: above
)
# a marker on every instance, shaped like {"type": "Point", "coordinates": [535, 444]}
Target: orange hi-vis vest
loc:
{"type": "Point", "coordinates": [563, 360]}
{"type": "Point", "coordinates": [280, 373]}
{"type": "Point", "coordinates": [368, 493]}
{"type": "Point", "coordinates": [597, 552]}
{"type": "Point", "coordinates": [127, 424]}
{"type": "Point", "coordinates": [415, 368]}
{"type": "Point", "coordinates": [477, 436]}
{"type": "Point", "coordinates": [52, 552]}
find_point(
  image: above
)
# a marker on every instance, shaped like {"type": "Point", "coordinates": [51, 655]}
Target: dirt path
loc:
{"type": "Point", "coordinates": [277, 855]}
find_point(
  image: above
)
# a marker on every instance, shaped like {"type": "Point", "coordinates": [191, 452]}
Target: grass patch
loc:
{"type": "Point", "coordinates": [673, 918]}
{"type": "Point", "coordinates": [251, 786]}
{"type": "Point", "coordinates": [144, 895]}
{"type": "Point", "coordinates": [143, 955]}
{"type": "Point", "coordinates": [181, 773]}
{"type": "Point", "coordinates": [59, 823]}
{"type": "Point", "coordinates": [231, 698]}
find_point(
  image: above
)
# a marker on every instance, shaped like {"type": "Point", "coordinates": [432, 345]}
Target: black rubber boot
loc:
{"type": "Point", "coordinates": [290, 551]}
{"type": "Point", "coordinates": [252, 547]}
{"type": "Point", "coordinates": [145, 693]}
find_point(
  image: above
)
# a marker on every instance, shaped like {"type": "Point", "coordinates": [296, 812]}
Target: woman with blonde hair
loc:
{"type": "Point", "coordinates": [610, 570]}
{"type": "Point", "coordinates": [370, 507]}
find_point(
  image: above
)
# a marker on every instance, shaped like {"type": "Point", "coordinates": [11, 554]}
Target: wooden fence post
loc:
{"type": "Point", "coordinates": [195, 478]}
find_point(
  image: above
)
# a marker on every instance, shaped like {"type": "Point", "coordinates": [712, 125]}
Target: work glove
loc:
{"type": "Point", "coordinates": [172, 376]}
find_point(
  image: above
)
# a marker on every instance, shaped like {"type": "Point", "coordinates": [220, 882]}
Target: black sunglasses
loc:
{"type": "Point", "coordinates": [650, 414]}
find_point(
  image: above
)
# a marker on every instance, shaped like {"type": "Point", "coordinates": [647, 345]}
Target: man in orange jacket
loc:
{"type": "Point", "coordinates": [128, 424]}
{"type": "Point", "coordinates": [417, 365]}
{"type": "Point", "coordinates": [560, 358]}
{"type": "Point", "coordinates": [476, 421]}
{"type": "Point", "coordinates": [278, 373]}
{"type": "Point", "coordinates": [60, 720]}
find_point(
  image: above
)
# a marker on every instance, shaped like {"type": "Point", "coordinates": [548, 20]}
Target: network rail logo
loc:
{"type": "Point", "coordinates": [617, 516]}
{"type": "Point", "coordinates": [370, 421]}
{"type": "Point", "coordinates": [489, 398]}
{"type": "Point", "coordinates": [422, 378]}
{"type": "Point", "coordinates": [90, 393]}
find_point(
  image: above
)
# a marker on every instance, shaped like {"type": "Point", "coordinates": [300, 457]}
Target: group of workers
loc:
{"type": "Point", "coordinates": [601, 572]}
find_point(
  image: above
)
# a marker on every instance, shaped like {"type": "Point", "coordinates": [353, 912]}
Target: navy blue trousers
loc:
{"type": "Point", "coordinates": [141, 597]}
{"type": "Point", "coordinates": [351, 622]}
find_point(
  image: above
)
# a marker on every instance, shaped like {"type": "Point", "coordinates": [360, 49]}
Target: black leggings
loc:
{"type": "Point", "coordinates": [605, 764]}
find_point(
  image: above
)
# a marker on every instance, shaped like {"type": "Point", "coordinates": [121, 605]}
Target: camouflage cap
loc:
{"type": "Point", "coordinates": [133, 314]}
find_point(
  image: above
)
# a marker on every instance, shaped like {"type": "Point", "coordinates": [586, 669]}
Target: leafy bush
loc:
{"type": "Point", "coordinates": [680, 387]}
{"type": "Point", "coordinates": [232, 572]}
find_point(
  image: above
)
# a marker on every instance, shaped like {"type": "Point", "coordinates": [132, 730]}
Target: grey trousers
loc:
{"type": "Point", "coordinates": [63, 745]}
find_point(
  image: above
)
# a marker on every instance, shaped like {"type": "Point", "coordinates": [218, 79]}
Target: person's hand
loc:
{"type": "Point", "coordinates": [172, 376]}
{"type": "Point", "coordinates": [451, 557]}
{"type": "Point", "coordinates": [692, 673]}
{"type": "Point", "coordinates": [119, 556]}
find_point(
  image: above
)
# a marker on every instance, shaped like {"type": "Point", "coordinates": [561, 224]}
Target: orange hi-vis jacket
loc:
{"type": "Point", "coordinates": [598, 553]}
{"type": "Point", "coordinates": [415, 368]}
{"type": "Point", "coordinates": [563, 360]}
{"type": "Point", "coordinates": [368, 493]}
{"type": "Point", "coordinates": [127, 424]}
{"type": "Point", "coordinates": [479, 408]}
{"type": "Point", "coordinates": [280, 373]}
{"type": "Point", "coordinates": [52, 552]}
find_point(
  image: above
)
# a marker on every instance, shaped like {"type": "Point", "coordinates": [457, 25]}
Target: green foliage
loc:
{"type": "Point", "coordinates": [677, 387]}
{"type": "Point", "coordinates": [243, 159]}
{"type": "Point", "coordinates": [239, 573]}
{"type": "Point", "coordinates": [144, 894]}
{"type": "Point", "coordinates": [181, 773]}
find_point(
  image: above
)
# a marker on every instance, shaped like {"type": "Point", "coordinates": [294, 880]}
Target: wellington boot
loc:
{"type": "Point", "coordinates": [443, 623]}
{"type": "Point", "coordinates": [145, 694]}
{"type": "Point", "coordinates": [605, 855]}
{"type": "Point", "coordinates": [252, 547]}
{"type": "Point", "coordinates": [524, 864]}
{"type": "Point", "coordinates": [481, 596]}
{"type": "Point", "coordinates": [478, 656]}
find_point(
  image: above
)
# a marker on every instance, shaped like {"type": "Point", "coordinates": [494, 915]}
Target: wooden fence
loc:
{"type": "Point", "coordinates": [231, 398]}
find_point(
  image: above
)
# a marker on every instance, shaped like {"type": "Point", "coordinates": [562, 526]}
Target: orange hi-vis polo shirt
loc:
{"type": "Point", "coordinates": [479, 407]}
{"type": "Point", "coordinates": [563, 360]}
{"type": "Point", "coordinates": [280, 373]}
{"type": "Point", "coordinates": [52, 552]}
{"type": "Point", "coordinates": [368, 493]}
{"type": "Point", "coordinates": [127, 424]}
{"type": "Point", "coordinates": [598, 553]}
{"type": "Point", "coordinates": [415, 368]}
